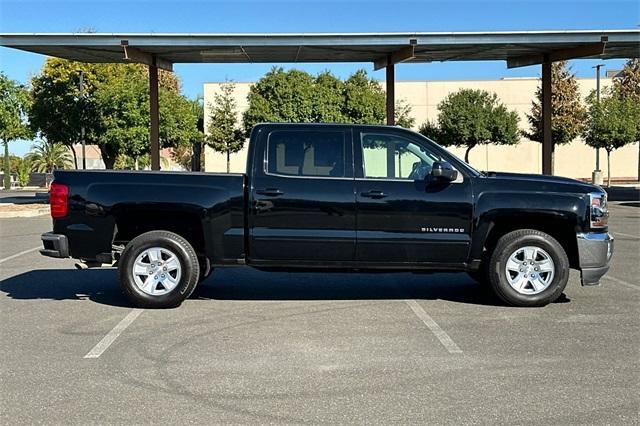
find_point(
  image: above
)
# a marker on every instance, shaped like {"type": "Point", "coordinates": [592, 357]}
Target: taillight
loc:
{"type": "Point", "coordinates": [598, 210]}
{"type": "Point", "coordinates": [58, 197]}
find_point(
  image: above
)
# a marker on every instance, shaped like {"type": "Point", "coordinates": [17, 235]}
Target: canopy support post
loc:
{"type": "Point", "coordinates": [391, 92]}
{"type": "Point", "coordinates": [547, 142]}
{"type": "Point", "coordinates": [154, 115]}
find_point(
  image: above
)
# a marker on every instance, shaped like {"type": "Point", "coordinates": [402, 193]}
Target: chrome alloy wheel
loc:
{"type": "Point", "coordinates": [157, 271]}
{"type": "Point", "coordinates": [530, 270]}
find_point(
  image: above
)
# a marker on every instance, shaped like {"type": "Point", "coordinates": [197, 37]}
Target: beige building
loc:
{"type": "Point", "coordinates": [575, 160]}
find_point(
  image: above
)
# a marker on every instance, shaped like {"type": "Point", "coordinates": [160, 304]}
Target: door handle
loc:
{"type": "Point", "coordinates": [269, 192]}
{"type": "Point", "coordinates": [373, 194]}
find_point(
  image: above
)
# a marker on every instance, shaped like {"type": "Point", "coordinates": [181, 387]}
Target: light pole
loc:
{"type": "Point", "coordinates": [596, 176]}
{"type": "Point", "coordinates": [81, 90]}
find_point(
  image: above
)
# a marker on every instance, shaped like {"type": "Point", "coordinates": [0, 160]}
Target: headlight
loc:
{"type": "Point", "coordinates": [598, 211]}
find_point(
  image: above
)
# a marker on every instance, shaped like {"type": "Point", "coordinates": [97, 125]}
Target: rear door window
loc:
{"type": "Point", "coordinates": [315, 153]}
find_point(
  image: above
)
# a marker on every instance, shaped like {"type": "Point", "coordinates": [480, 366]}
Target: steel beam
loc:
{"type": "Point", "coordinates": [560, 55]}
{"type": "Point", "coordinates": [154, 116]}
{"type": "Point", "coordinates": [396, 57]}
{"type": "Point", "coordinates": [391, 92]}
{"type": "Point", "coordinates": [547, 142]}
{"type": "Point", "coordinates": [133, 54]}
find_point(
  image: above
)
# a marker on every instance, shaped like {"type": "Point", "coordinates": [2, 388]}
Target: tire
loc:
{"type": "Point", "coordinates": [158, 269]}
{"type": "Point", "coordinates": [528, 268]}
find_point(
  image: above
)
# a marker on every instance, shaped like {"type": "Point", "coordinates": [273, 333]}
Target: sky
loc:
{"type": "Point", "coordinates": [242, 16]}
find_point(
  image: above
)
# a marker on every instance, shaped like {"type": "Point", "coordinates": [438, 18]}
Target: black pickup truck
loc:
{"type": "Point", "coordinates": [328, 197]}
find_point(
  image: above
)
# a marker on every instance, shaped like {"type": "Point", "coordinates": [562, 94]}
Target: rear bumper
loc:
{"type": "Point", "coordinates": [595, 251]}
{"type": "Point", "coordinates": [55, 245]}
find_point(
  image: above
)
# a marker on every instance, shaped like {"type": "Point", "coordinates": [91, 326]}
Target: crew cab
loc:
{"type": "Point", "coordinates": [329, 197]}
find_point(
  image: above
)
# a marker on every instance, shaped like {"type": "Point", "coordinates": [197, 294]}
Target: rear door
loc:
{"type": "Point", "coordinates": [402, 218]}
{"type": "Point", "coordinates": [302, 197]}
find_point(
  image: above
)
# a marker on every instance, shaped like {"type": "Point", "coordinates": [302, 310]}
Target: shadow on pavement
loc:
{"type": "Point", "coordinates": [98, 285]}
{"type": "Point", "coordinates": [246, 284]}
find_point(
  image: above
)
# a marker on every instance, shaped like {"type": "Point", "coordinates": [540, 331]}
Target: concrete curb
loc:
{"type": "Point", "coordinates": [25, 213]}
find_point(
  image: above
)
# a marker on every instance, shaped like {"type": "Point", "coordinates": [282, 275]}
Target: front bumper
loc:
{"type": "Point", "coordinates": [55, 245]}
{"type": "Point", "coordinates": [595, 251]}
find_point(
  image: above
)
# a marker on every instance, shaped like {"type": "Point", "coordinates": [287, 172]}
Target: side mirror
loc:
{"type": "Point", "coordinates": [443, 171]}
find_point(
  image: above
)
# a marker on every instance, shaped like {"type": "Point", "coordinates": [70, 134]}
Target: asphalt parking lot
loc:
{"type": "Point", "coordinates": [254, 347]}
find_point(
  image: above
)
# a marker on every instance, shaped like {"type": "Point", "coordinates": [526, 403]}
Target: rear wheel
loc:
{"type": "Point", "coordinates": [528, 268]}
{"type": "Point", "coordinates": [158, 269]}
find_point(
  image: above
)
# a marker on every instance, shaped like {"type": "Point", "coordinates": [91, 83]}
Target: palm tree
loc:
{"type": "Point", "coordinates": [45, 157]}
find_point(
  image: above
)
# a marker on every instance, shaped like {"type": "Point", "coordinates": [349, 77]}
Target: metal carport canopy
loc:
{"type": "Point", "coordinates": [322, 47]}
{"type": "Point", "coordinates": [518, 48]}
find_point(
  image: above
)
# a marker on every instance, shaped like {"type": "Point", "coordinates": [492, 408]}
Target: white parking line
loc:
{"type": "Point", "coordinates": [626, 235]}
{"type": "Point", "coordinates": [622, 282]}
{"type": "Point", "coordinates": [444, 338]}
{"type": "Point", "coordinates": [111, 336]}
{"type": "Point", "coordinates": [20, 254]}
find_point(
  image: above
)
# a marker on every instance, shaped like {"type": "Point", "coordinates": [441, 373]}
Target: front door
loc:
{"type": "Point", "coordinates": [402, 217]}
{"type": "Point", "coordinates": [302, 197]}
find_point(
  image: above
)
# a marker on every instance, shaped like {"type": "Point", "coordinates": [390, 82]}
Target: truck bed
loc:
{"type": "Point", "coordinates": [111, 205]}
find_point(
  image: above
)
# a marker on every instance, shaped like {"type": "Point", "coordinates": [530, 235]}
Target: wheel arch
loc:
{"type": "Point", "coordinates": [131, 222]}
{"type": "Point", "coordinates": [562, 227]}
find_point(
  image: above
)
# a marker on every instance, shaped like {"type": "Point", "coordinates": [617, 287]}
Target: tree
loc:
{"type": "Point", "coordinates": [22, 172]}
{"type": "Point", "coordinates": [328, 99]}
{"type": "Point", "coordinates": [113, 110]}
{"type": "Point", "coordinates": [473, 117]}
{"type": "Point", "coordinates": [45, 157]}
{"type": "Point", "coordinates": [403, 116]}
{"type": "Point", "coordinates": [567, 111]}
{"type": "Point", "coordinates": [627, 82]}
{"type": "Point", "coordinates": [122, 105]}
{"type": "Point", "coordinates": [14, 106]}
{"type": "Point", "coordinates": [297, 97]}
{"type": "Point", "coordinates": [280, 96]}
{"type": "Point", "coordinates": [58, 111]}
{"type": "Point", "coordinates": [612, 123]}
{"type": "Point", "coordinates": [223, 133]}
{"type": "Point", "coordinates": [364, 100]}
{"type": "Point", "coordinates": [627, 86]}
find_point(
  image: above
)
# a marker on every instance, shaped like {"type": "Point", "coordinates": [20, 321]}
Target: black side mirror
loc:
{"type": "Point", "coordinates": [443, 171]}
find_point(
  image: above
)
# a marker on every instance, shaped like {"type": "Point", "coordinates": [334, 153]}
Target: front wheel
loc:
{"type": "Point", "coordinates": [528, 268]}
{"type": "Point", "coordinates": [158, 269]}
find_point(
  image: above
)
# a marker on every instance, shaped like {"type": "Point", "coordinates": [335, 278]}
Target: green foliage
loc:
{"type": "Point", "coordinates": [364, 100]}
{"type": "Point", "coordinates": [627, 84]}
{"type": "Point", "coordinates": [122, 104]}
{"type": "Point", "coordinates": [567, 111]}
{"type": "Point", "coordinates": [23, 170]}
{"type": "Point", "coordinates": [327, 99]}
{"type": "Point", "coordinates": [296, 97]}
{"type": "Point", "coordinates": [473, 117]}
{"type": "Point", "coordinates": [280, 96]}
{"type": "Point", "coordinates": [45, 157]}
{"type": "Point", "coordinates": [14, 106]}
{"type": "Point", "coordinates": [114, 109]}
{"type": "Point", "coordinates": [611, 124]}
{"type": "Point", "coordinates": [403, 116]}
{"type": "Point", "coordinates": [14, 162]}
{"type": "Point", "coordinates": [224, 135]}
{"type": "Point", "coordinates": [142, 162]}
{"type": "Point", "coordinates": [58, 111]}
{"type": "Point", "coordinates": [183, 156]}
